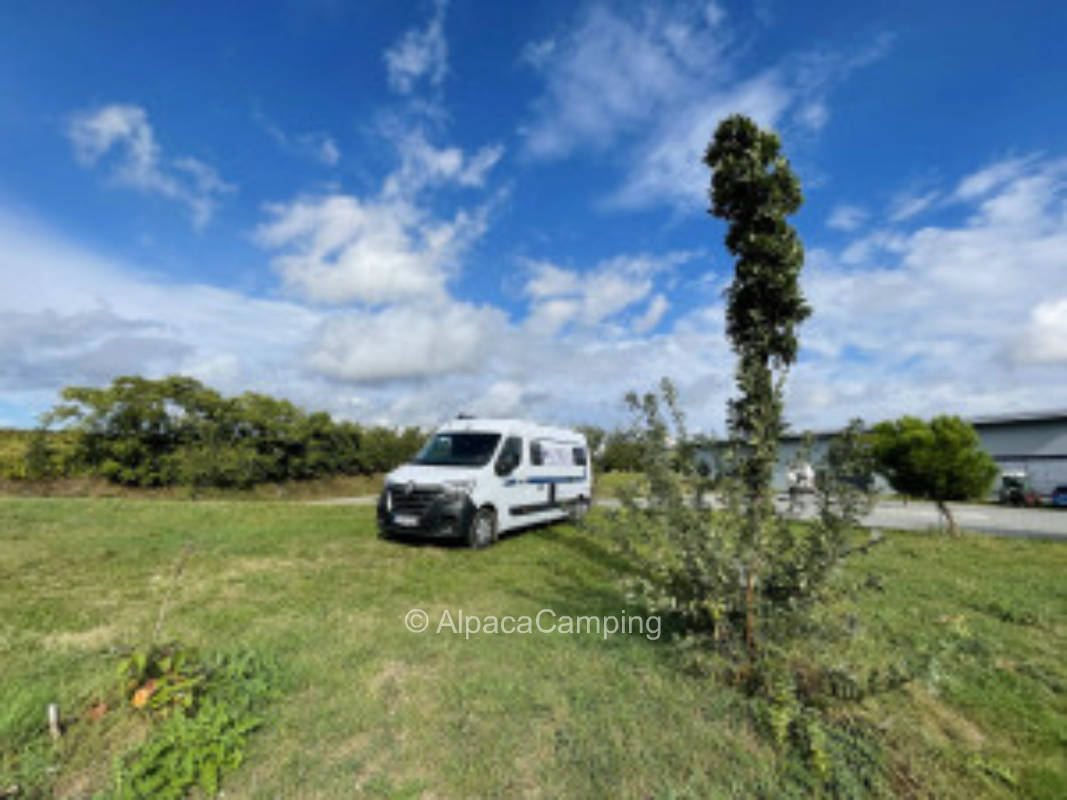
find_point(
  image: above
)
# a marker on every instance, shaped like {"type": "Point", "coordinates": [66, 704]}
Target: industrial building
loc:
{"type": "Point", "coordinates": [1035, 444]}
{"type": "Point", "coordinates": [1031, 443]}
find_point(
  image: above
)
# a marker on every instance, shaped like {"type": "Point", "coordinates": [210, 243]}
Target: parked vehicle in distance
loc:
{"type": "Point", "coordinates": [477, 478]}
{"type": "Point", "coordinates": [1058, 497]}
{"type": "Point", "coordinates": [1016, 490]}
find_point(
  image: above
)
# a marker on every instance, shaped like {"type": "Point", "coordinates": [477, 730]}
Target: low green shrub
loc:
{"type": "Point", "coordinates": [205, 710]}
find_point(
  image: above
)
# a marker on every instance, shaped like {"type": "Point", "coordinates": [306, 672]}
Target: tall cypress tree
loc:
{"type": "Point", "coordinates": [754, 189]}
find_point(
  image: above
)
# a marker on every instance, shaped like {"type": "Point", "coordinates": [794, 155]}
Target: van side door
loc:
{"type": "Point", "coordinates": [511, 467]}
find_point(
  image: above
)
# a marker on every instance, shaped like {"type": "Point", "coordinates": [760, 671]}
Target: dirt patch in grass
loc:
{"type": "Point", "coordinates": [951, 724]}
{"type": "Point", "coordinates": [91, 639]}
{"type": "Point", "coordinates": [241, 567]}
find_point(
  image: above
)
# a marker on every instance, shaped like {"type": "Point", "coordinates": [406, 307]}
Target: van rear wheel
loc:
{"type": "Point", "coordinates": [482, 530]}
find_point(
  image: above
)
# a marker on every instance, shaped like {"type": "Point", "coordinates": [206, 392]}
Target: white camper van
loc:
{"type": "Point", "coordinates": [476, 478]}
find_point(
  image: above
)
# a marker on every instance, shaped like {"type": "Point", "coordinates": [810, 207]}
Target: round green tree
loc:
{"type": "Point", "coordinates": [939, 460]}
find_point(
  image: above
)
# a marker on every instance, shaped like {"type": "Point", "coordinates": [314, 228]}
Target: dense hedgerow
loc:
{"type": "Point", "coordinates": [175, 430]}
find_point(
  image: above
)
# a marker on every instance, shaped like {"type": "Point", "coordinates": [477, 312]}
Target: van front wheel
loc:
{"type": "Point", "coordinates": [482, 531]}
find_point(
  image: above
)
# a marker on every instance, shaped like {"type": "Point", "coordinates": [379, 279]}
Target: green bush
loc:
{"type": "Point", "coordinates": [141, 432]}
{"type": "Point", "coordinates": [206, 709]}
{"type": "Point", "coordinates": [940, 460]}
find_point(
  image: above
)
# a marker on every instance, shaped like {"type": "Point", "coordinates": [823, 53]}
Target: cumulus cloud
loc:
{"type": "Point", "coordinates": [139, 163]}
{"type": "Point", "coordinates": [387, 247]}
{"type": "Point", "coordinates": [964, 316]}
{"type": "Point", "coordinates": [560, 296]}
{"type": "Point", "coordinates": [339, 248]}
{"type": "Point", "coordinates": [1044, 340]}
{"type": "Point", "coordinates": [404, 341]}
{"type": "Point", "coordinates": [43, 349]}
{"type": "Point", "coordinates": [69, 315]}
{"type": "Point", "coordinates": [944, 318]}
{"type": "Point", "coordinates": [419, 54]}
{"type": "Point", "coordinates": [423, 165]}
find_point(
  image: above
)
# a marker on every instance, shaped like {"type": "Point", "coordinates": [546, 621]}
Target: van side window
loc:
{"type": "Point", "coordinates": [510, 456]}
{"type": "Point", "coordinates": [537, 456]}
{"type": "Point", "coordinates": [579, 456]}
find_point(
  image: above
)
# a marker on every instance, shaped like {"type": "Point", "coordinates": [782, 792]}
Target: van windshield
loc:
{"type": "Point", "coordinates": [458, 450]}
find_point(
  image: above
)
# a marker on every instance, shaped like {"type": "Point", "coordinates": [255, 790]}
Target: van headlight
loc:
{"type": "Point", "coordinates": [458, 489]}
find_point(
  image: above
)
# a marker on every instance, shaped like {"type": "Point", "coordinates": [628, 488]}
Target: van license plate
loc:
{"type": "Point", "coordinates": [406, 520]}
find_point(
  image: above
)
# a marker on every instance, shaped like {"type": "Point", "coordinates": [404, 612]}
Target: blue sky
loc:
{"type": "Point", "coordinates": [396, 212]}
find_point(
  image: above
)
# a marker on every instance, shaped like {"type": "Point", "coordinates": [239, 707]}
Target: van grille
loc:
{"type": "Point", "coordinates": [414, 502]}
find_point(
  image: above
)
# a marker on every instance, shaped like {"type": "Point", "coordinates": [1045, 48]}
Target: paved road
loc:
{"type": "Point", "coordinates": [1026, 523]}
{"type": "Point", "coordinates": [362, 500]}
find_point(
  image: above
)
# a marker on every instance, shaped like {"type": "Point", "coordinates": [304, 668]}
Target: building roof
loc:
{"type": "Point", "coordinates": [1013, 418]}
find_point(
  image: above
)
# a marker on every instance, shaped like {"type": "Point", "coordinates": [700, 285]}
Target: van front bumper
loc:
{"type": "Point", "coordinates": [445, 517]}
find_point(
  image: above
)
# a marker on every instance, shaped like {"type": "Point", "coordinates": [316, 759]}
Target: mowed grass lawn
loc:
{"type": "Point", "coordinates": [368, 708]}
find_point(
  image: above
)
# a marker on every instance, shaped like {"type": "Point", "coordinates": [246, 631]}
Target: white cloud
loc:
{"type": "Point", "coordinates": [713, 14]}
{"type": "Point", "coordinates": [964, 317]}
{"type": "Point", "coordinates": [548, 280]}
{"type": "Point", "coordinates": [69, 315]}
{"type": "Point", "coordinates": [669, 166]}
{"type": "Point", "coordinates": [814, 115]}
{"type": "Point", "coordinates": [846, 218]}
{"type": "Point", "coordinates": [403, 341]}
{"type": "Point", "coordinates": [502, 399]}
{"type": "Point", "coordinates": [316, 145]}
{"type": "Point", "coordinates": [140, 164]}
{"type": "Point", "coordinates": [419, 54]}
{"type": "Point", "coordinates": [560, 296]}
{"type": "Point", "coordinates": [612, 73]}
{"type": "Point", "coordinates": [656, 82]}
{"type": "Point", "coordinates": [339, 248]}
{"type": "Point", "coordinates": [657, 307]}
{"type": "Point", "coordinates": [908, 204]}
{"type": "Point", "coordinates": [947, 318]}
{"type": "Point", "coordinates": [423, 166]}
{"type": "Point", "coordinates": [328, 151]}
{"type": "Point", "coordinates": [537, 54]}
{"type": "Point", "coordinates": [1044, 340]}
{"type": "Point", "coordinates": [988, 178]}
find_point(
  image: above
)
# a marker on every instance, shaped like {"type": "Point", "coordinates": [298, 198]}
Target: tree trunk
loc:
{"type": "Point", "coordinates": [942, 506]}
{"type": "Point", "coordinates": [750, 615]}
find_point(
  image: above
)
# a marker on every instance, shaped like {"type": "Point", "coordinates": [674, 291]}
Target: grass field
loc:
{"type": "Point", "coordinates": [371, 709]}
{"type": "Point", "coordinates": [93, 487]}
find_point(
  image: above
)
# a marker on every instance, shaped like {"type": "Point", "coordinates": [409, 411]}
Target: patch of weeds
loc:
{"type": "Point", "coordinates": [1012, 616]}
{"type": "Point", "coordinates": [207, 710]}
{"type": "Point", "coordinates": [823, 755]}
{"type": "Point", "coordinates": [1045, 677]}
{"type": "Point", "coordinates": [162, 678]}
{"type": "Point", "coordinates": [987, 766]}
